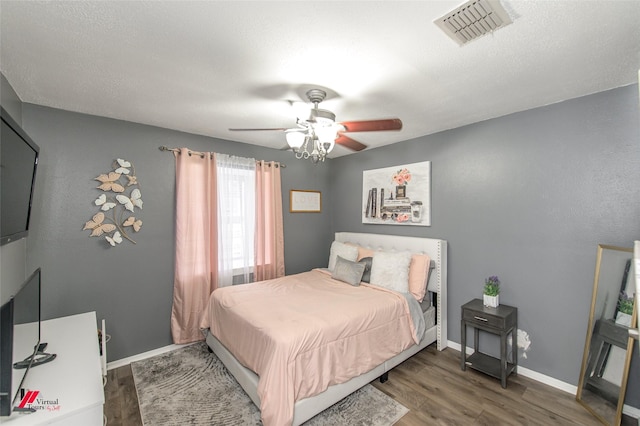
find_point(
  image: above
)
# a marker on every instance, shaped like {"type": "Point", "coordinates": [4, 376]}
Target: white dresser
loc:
{"type": "Point", "coordinates": [70, 387]}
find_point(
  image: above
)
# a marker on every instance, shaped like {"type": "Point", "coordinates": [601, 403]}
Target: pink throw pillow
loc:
{"type": "Point", "coordinates": [364, 252]}
{"type": "Point", "coordinates": [418, 275]}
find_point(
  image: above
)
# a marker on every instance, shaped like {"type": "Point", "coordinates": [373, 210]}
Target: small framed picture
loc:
{"type": "Point", "coordinates": [303, 201]}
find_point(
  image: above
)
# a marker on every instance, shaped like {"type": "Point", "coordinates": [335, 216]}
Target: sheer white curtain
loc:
{"type": "Point", "coordinates": [236, 218]}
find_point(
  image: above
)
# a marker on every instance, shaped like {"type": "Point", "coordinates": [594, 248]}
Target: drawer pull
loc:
{"type": "Point", "coordinates": [481, 319]}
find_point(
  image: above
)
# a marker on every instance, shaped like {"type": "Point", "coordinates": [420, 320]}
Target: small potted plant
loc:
{"type": "Point", "coordinates": [491, 292]}
{"type": "Point", "coordinates": [625, 309]}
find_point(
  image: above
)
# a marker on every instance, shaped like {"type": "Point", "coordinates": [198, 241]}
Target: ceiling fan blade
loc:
{"type": "Point", "coordinates": [346, 141]}
{"type": "Point", "coordinates": [372, 125]}
{"type": "Point", "coordinates": [254, 130]}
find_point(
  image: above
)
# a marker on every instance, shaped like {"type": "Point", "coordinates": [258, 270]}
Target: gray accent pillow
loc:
{"type": "Point", "coordinates": [366, 261]}
{"type": "Point", "coordinates": [348, 271]}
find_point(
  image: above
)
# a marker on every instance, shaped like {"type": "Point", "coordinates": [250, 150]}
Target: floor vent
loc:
{"type": "Point", "coordinates": [473, 19]}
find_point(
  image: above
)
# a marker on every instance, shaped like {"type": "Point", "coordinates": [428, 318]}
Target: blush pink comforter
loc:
{"type": "Point", "coordinates": [305, 332]}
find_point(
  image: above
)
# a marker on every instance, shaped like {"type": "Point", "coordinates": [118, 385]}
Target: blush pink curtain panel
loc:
{"type": "Point", "coordinates": [196, 260]}
{"type": "Point", "coordinates": [198, 223]}
{"type": "Point", "coordinates": [269, 233]}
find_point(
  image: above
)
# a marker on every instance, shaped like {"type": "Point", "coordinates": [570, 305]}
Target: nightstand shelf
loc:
{"type": "Point", "coordinates": [488, 365]}
{"type": "Point", "coordinates": [502, 321]}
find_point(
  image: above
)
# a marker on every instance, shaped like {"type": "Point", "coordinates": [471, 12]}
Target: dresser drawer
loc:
{"type": "Point", "coordinates": [482, 319]}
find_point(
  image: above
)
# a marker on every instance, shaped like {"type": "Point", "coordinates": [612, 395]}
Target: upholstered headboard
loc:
{"type": "Point", "coordinates": [437, 251]}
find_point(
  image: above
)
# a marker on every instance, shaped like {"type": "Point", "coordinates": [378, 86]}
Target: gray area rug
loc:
{"type": "Point", "coordinates": [190, 386]}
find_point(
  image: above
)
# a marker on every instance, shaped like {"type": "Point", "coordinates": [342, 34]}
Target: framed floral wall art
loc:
{"type": "Point", "coordinates": [399, 195]}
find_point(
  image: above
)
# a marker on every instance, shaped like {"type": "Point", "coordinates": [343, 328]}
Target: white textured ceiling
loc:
{"type": "Point", "coordinates": [203, 67]}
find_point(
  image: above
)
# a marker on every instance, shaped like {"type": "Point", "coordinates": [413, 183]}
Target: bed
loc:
{"type": "Point", "coordinates": [309, 399]}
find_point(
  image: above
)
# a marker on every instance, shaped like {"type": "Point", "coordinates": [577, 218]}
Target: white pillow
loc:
{"type": "Point", "coordinates": [343, 250]}
{"type": "Point", "coordinates": [391, 270]}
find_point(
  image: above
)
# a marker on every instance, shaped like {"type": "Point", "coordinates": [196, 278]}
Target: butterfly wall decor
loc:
{"type": "Point", "coordinates": [120, 198]}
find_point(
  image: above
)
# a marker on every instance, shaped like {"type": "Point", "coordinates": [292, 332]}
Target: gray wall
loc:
{"type": "Point", "coordinates": [131, 286]}
{"type": "Point", "coordinates": [526, 197]}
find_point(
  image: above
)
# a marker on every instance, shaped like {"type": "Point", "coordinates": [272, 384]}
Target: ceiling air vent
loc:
{"type": "Point", "coordinates": [473, 19]}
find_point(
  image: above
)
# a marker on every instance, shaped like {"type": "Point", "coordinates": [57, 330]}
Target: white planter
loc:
{"type": "Point", "coordinates": [623, 319]}
{"type": "Point", "coordinates": [491, 301]}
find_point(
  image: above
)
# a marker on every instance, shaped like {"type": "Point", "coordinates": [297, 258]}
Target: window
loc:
{"type": "Point", "coordinates": [236, 218]}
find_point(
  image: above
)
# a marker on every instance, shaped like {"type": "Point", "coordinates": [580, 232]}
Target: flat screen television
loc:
{"type": "Point", "coordinates": [20, 345]}
{"type": "Point", "coordinates": [18, 163]}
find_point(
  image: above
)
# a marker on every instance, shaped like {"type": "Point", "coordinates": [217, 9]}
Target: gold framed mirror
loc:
{"type": "Point", "coordinates": [608, 347]}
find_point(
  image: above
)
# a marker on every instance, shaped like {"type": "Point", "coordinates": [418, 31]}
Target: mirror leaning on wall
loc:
{"type": "Point", "coordinates": [609, 345]}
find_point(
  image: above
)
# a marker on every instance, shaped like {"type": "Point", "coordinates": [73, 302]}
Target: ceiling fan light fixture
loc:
{"type": "Point", "coordinates": [315, 156]}
{"type": "Point", "coordinates": [316, 135]}
{"type": "Point", "coordinates": [327, 134]}
{"type": "Point", "coordinates": [295, 138]}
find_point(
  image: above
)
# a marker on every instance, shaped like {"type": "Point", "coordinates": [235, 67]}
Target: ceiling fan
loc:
{"type": "Point", "coordinates": [315, 136]}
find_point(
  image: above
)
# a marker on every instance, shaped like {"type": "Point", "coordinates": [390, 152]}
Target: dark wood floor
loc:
{"type": "Point", "coordinates": [121, 400]}
{"type": "Point", "coordinates": [433, 387]}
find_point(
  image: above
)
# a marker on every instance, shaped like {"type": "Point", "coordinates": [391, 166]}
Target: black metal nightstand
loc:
{"type": "Point", "coordinates": [502, 321]}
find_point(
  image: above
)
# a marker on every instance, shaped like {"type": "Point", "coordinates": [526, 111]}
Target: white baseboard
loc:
{"type": "Point", "coordinates": [126, 361]}
{"type": "Point", "coordinates": [632, 412]}
{"type": "Point", "coordinates": [555, 383]}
